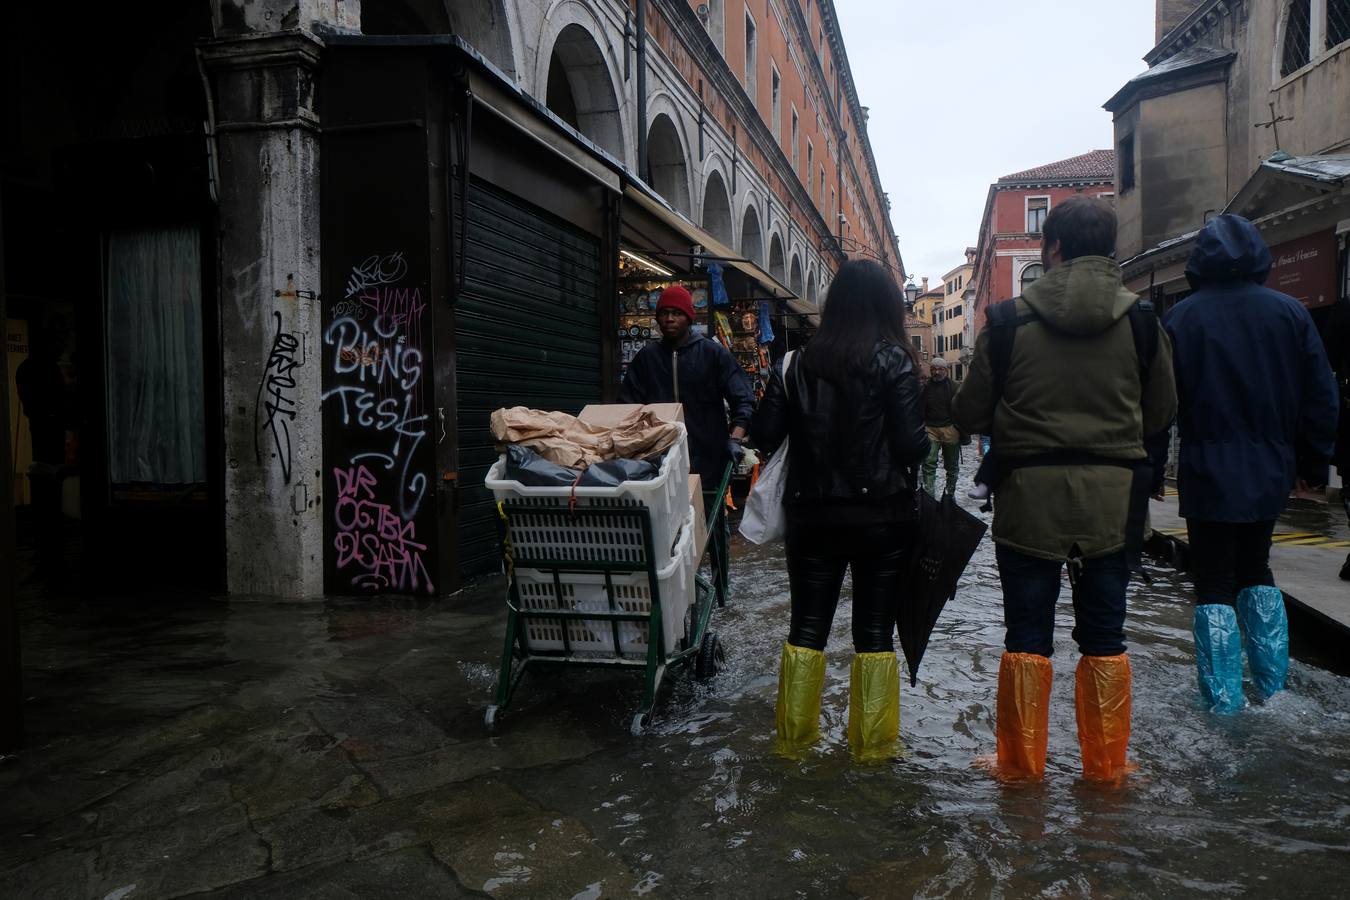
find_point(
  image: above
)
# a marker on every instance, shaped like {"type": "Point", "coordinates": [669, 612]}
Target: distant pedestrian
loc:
{"type": "Point", "coordinates": [1257, 415]}
{"type": "Point", "coordinates": [850, 403]}
{"type": "Point", "coordinates": [1069, 380]}
{"type": "Point", "coordinates": [943, 437]}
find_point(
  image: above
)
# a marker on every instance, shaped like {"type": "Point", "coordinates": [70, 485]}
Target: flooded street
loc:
{"type": "Point", "coordinates": [264, 749]}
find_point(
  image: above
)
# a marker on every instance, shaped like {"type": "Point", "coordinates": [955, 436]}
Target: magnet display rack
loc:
{"type": "Point", "coordinates": [737, 328]}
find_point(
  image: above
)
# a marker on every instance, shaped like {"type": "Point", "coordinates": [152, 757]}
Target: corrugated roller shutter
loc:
{"type": "Point", "coordinates": [527, 334]}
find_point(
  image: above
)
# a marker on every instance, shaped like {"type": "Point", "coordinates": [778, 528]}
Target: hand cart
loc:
{"type": "Point", "coordinates": [592, 597]}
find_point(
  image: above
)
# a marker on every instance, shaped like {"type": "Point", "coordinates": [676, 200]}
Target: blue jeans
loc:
{"type": "Point", "coordinates": [1031, 589]}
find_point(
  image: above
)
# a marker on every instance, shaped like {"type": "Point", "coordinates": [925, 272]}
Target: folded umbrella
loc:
{"type": "Point", "coordinates": [948, 536]}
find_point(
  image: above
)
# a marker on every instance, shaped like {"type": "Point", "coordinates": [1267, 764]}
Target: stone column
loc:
{"type": "Point", "coordinates": [263, 65]}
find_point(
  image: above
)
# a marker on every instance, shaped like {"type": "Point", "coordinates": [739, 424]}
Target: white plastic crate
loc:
{"type": "Point", "coordinates": [666, 495]}
{"type": "Point", "coordinates": [585, 591]}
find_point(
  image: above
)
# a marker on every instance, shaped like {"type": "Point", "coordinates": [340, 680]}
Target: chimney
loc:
{"type": "Point", "coordinates": [925, 285]}
{"type": "Point", "coordinates": [1170, 14]}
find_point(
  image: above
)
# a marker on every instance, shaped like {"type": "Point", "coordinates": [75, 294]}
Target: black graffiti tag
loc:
{"type": "Point", "coordinates": [277, 383]}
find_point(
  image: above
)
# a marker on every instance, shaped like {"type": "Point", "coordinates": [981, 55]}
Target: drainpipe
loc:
{"type": "Point", "coordinates": [642, 88]}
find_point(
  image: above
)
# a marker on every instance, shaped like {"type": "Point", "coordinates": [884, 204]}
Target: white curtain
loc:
{"type": "Point", "coordinates": [153, 357]}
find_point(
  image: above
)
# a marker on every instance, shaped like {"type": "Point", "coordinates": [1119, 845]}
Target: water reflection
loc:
{"type": "Point", "coordinates": [1218, 805]}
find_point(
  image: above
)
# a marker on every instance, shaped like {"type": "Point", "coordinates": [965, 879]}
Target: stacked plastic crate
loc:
{"type": "Point", "coordinates": [584, 540]}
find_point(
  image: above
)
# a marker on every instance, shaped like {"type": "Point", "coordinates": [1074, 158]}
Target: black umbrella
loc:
{"type": "Point", "coordinates": [948, 536]}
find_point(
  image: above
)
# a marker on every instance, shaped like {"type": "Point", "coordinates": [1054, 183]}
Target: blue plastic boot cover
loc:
{"type": "Point", "coordinates": [1218, 657]}
{"type": "Point", "coordinates": [1261, 610]}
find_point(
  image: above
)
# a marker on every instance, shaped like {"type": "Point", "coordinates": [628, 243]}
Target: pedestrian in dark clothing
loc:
{"type": "Point", "coordinates": [1256, 394]}
{"type": "Point", "coordinates": [688, 368]}
{"type": "Point", "coordinates": [850, 403]}
{"type": "Point", "coordinates": [1338, 350]}
{"type": "Point", "coordinates": [42, 392]}
{"type": "Point", "coordinates": [1069, 414]}
{"type": "Point", "coordinates": [943, 437]}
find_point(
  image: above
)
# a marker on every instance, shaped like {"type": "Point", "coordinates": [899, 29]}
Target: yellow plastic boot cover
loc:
{"type": "Point", "coordinates": [1102, 701]}
{"type": "Point", "coordinates": [801, 677]}
{"type": "Point", "coordinates": [1023, 714]}
{"type": "Point", "coordinates": [874, 706]}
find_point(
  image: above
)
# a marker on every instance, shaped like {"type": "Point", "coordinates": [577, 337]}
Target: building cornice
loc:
{"type": "Point", "coordinates": [1193, 28]}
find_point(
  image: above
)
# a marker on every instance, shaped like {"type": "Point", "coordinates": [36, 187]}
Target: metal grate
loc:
{"type": "Point", "coordinates": [1297, 30]}
{"type": "Point", "coordinates": [1338, 22]}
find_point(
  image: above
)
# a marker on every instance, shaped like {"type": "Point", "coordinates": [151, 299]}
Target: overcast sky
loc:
{"type": "Point", "coordinates": [962, 92]}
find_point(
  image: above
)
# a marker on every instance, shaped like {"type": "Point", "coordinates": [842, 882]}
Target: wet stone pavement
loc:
{"type": "Point", "coordinates": [261, 749]}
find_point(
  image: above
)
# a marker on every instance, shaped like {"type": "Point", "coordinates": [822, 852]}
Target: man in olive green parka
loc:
{"type": "Point", "coordinates": [1074, 393]}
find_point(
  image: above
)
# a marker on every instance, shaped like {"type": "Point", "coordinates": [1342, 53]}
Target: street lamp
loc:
{"type": "Point", "coordinates": [911, 294]}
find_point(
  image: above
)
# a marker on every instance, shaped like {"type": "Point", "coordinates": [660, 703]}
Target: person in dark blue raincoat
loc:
{"type": "Point", "coordinates": [1257, 413]}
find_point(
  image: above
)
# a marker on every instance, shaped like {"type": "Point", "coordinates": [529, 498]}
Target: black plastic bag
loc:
{"type": "Point", "coordinates": [532, 470]}
{"type": "Point", "coordinates": [614, 472]}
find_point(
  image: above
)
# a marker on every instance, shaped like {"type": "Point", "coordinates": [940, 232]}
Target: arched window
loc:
{"type": "Point", "coordinates": [1030, 274]}
{"type": "Point", "coordinates": [1297, 37]}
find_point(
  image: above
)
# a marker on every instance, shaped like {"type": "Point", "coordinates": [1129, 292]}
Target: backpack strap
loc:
{"type": "Point", "coordinates": [1003, 321]}
{"type": "Point", "coordinates": [1144, 328]}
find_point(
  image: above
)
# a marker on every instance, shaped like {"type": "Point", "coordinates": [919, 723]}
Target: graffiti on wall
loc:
{"type": "Point", "coordinates": [274, 407]}
{"type": "Point", "coordinates": [374, 355]}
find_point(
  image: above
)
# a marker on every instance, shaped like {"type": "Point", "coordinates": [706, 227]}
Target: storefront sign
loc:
{"type": "Point", "coordinates": [1305, 269]}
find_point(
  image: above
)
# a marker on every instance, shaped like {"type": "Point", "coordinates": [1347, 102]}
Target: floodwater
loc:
{"type": "Point", "coordinates": [1258, 803]}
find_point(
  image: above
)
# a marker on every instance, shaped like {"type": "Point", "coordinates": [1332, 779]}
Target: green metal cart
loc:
{"type": "Point", "coordinates": [595, 599]}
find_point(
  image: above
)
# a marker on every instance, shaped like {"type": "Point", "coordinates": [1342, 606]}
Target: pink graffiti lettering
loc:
{"type": "Point", "coordinates": [374, 544]}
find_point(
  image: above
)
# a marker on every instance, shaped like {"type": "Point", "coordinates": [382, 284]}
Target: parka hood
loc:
{"type": "Point", "coordinates": [1082, 296]}
{"type": "Point", "coordinates": [1228, 248]}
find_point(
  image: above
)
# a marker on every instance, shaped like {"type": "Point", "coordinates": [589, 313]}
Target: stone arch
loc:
{"type": "Point", "coordinates": [811, 286]}
{"type": "Point", "coordinates": [777, 269]}
{"type": "Point", "coordinates": [795, 275]}
{"type": "Point", "coordinates": [667, 168]}
{"type": "Point", "coordinates": [752, 237]}
{"type": "Point", "coordinates": [484, 24]}
{"type": "Point", "coordinates": [580, 87]}
{"type": "Point", "coordinates": [716, 217]}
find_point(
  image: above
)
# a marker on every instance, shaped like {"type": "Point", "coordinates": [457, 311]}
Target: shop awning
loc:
{"type": "Point", "coordinates": [651, 202]}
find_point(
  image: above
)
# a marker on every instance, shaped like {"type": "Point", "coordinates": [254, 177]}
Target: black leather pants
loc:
{"type": "Point", "coordinates": [817, 557]}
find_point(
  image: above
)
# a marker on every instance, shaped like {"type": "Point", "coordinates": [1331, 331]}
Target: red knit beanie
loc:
{"type": "Point", "coordinates": [676, 297]}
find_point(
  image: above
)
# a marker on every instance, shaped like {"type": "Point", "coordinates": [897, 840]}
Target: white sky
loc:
{"type": "Point", "coordinates": [962, 92]}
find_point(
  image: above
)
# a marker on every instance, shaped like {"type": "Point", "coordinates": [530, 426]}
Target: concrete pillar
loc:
{"type": "Point", "coordinates": [263, 64]}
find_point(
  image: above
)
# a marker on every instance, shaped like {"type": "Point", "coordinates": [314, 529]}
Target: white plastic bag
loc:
{"type": "Point", "coordinates": [764, 519]}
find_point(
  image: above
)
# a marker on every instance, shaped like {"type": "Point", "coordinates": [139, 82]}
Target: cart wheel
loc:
{"type": "Point", "coordinates": [639, 725]}
{"type": "Point", "coordinates": [490, 716]}
{"type": "Point", "coordinates": [711, 657]}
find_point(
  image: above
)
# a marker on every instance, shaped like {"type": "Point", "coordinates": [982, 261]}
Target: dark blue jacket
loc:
{"type": "Point", "coordinates": [1254, 387]}
{"type": "Point", "coordinates": [710, 381]}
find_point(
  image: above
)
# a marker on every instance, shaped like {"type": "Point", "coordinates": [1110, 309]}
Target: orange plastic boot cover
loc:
{"type": "Point", "coordinates": [1023, 714]}
{"type": "Point", "coordinates": [1102, 701]}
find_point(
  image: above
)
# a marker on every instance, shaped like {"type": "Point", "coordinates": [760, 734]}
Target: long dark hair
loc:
{"type": "Point", "coordinates": [864, 305]}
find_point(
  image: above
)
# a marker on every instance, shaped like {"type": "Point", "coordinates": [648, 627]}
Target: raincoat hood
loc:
{"type": "Point", "coordinates": [1228, 248]}
{"type": "Point", "coordinates": [1083, 296]}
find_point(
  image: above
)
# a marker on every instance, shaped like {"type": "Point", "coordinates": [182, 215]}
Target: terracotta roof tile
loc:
{"type": "Point", "coordinates": [1093, 164]}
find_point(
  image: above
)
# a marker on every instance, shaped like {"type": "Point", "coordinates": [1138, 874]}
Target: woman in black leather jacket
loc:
{"type": "Point", "coordinates": [850, 403]}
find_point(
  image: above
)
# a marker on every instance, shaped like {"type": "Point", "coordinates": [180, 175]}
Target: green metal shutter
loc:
{"type": "Point", "coordinates": [527, 334]}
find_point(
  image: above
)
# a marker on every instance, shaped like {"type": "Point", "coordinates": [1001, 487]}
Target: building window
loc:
{"type": "Point", "coordinates": [960, 372]}
{"type": "Point", "coordinates": [777, 103]}
{"type": "Point", "coordinates": [1037, 207]}
{"type": "Point", "coordinates": [1338, 22]}
{"type": "Point", "coordinates": [1297, 36]}
{"type": "Point", "coordinates": [810, 160]}
{"type": "Point", "coordinates": [794, 140]}
{"type": "Point", "coordinates": [821, 201]}
{"type": "Point", "coordinates": [1108, 196]}
{"type": "Point", "coordinates": [956, 311]}
{"type": "Point", "coordinates": [1125, 156]}
{"type": "Point", "coordinates": [917, 341]}
{"type": "Point", "coordinates": [715, 21]}
{"type": "Point", "coordinates": [941, 344]}
{"type": "Point", "coordinates": [1030, 274]}
{"type": "Point", "coordinates": [751, 59]}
